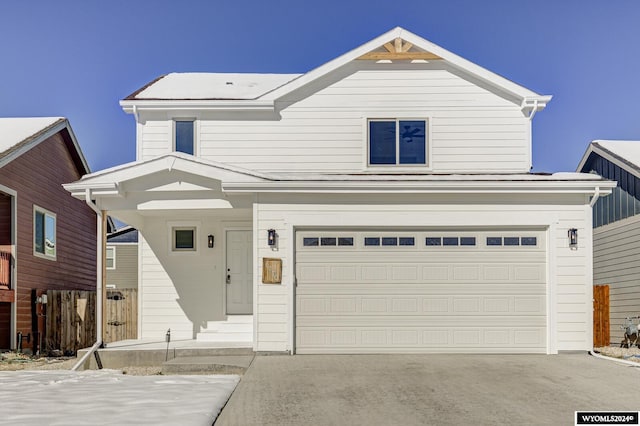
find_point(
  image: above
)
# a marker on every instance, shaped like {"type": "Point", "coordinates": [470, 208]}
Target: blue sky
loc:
{"type": "Point", "coordinates": [79, 58]}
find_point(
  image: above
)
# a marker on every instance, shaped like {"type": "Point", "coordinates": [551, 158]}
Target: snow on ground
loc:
{"type": "Point", "coordinates": [107, 397]}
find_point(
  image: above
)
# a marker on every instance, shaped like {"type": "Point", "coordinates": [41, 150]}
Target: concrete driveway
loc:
{"type": "Point", "coordinates": [428, 389]}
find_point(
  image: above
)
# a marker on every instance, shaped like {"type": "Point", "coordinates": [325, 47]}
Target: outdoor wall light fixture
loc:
{"type": "Point", "coordinates": [271, 237]}
{"type": "Point", "coordinates": [573, 239]}
{"type": "Point", "coordinates": [210, 241]}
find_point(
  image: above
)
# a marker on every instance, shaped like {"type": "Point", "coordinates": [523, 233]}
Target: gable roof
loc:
{"type": "Point", "coordinates": [625, 154]}
{"type": "Point", "coordinates": [109, 181]}
{"type": "Point", "coordinates": [397, 44]}
{"type": "Point", "coordinates": [18, 135]}
{"type": "Point", "coordinates": [422, 45]}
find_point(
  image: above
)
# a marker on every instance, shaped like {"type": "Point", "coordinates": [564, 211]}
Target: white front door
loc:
{"type": "Point", "coordinates": [239, 272]}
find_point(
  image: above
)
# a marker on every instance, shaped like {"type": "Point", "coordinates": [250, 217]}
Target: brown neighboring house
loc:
{"type": "Point", "coordinates": [47, 237]}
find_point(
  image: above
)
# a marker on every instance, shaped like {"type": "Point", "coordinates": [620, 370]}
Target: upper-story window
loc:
{"type": "Point", "coordinates": [184, 136]}
{"type": "Point", "coordinates": [397, 142]}
{"type": "Point", "coordinates": [44, 233]}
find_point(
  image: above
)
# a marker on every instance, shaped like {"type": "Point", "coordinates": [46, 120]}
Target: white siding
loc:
{"type": "Point", "coordinates": [156, 138]}
{"type": "Point", "coordinates": [616, 256]}
{"type": "Point", "coordinates": [180, 291]}
{"type": "Point", "coordinates": [472, 129]}
{"type": "Point", "coordinates": [569, 280]}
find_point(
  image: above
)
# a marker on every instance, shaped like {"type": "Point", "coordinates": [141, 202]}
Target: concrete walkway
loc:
{"type": "Point", "coordinates": [428, 390]}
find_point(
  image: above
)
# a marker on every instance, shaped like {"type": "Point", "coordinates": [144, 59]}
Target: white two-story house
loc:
{"type": "Point", "coordinates": [382, 202]}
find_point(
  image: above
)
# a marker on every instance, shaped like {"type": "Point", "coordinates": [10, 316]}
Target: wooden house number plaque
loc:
{"type": "Point", "coordinates": [271, 271]}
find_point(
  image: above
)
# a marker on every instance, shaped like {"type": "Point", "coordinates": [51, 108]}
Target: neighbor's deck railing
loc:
{"type": "Point", "coordinates": [5, 269]}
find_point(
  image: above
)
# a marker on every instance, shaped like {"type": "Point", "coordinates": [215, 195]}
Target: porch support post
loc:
{"type": "Point", "coordinates": [103, 273]}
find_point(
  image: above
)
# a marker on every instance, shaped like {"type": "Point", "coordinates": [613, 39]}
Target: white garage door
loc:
{"type": "Point", "coordinates": [424, 291]}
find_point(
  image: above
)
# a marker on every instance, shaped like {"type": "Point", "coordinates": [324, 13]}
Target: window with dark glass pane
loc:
{"type": "Point", "coordinates": [467, 241]}
{"type": "Point", "coordinates": [529, 241]}
{"type": "Point", "coordinates": [184, 239]}
{"type": "Point", "coordinates": [407, 241]}
{"type": "Point", "coordinates": [39, 232]}
{"type": "Point", "coordinates": [372, 241]}
{"type": "Point", "coordinates": [390, 241]}
{"type": "Point", "coordinates": [328, 241]}
{"type": "Point", "coordinates": [345, 241]}
{"type": "Point", "coordinates": [310, 241]}
{"type": "Point", "coordinates": [494, 241]}
{"type": "Point", "coordinates": [184, 137]}
{"type": "Point", "coordinates": [411, 141]}
{"type": "Point", "coordinates": [450, 241]}
{"type": "Point", "coordinates": [511, 241]}
{"type": "Point", "coordinates": [382, 142]}
{"type": "Point", "coordinates": [433, 241]}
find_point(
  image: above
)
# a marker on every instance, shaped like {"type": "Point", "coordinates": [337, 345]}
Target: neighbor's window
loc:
{"type": "Point", "coordinates": [184, 239]}
{"type": "Point", "coordinates": [184, 136]}
{"type": "Point", "coordinates": [397, 142]}
{"type": "Point", "coordinates": [44, 233]}
{"type": "Point", "coordinates": [111, 258]}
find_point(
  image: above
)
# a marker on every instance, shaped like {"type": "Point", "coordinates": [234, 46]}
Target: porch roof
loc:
{"type": "Point", "coordinates": [113, 181]}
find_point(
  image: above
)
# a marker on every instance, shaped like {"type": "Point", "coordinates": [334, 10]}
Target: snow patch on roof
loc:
{"type": "Point", "coordinates": [16, 130]}
{"type": "Point", "coordinates": [177, 86]}
{"type": "Point", "coordinates": [627, 150]}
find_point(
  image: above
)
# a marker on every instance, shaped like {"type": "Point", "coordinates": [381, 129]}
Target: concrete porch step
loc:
{"type": "Point", "coordinates": [116, 358]}
{"type": "Point", "coordinates": [236, 328]}
{"type": "Point", "coordinates": [221, 364]}
{"type": "Point", "coordinates": [224, 336]}
{"type": "Point", "coordinates": [220, 326]}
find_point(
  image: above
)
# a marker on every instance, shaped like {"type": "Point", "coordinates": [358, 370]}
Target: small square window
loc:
{"type": "Point", "coordinates": [184, 239]}
{"type": "Point", "coordinates": [328, 241]}
{"type": "Point", "coordinates": [433, 241]}
{"type": "Point", "coordinates": [372, 241]}
{"type": "Point", "coordinates": [529, 241]}
{"type": "Point", "coordinates": [494, 241]}
{"type": "Point", "coordinates": [407, 241]}
{"type": "Point", "coordinates": [345, 241]}
{"type": "Point", "coordinates": [511, 241]}
{"type": "Point", "coordinates": [467, 241]}
{"type": "Point", "coordinates": [390, 241]}
{"type": "Point", "coordinates": [184, 137]}
{"type": "Point", "coordinates": [310, 241]}
{"type": "Point", "coordinates": [450, 241]}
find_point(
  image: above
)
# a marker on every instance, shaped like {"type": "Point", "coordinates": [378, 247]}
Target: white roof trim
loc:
{"type": "Point", "coordinates": [50, 127]}
{"type": "Point", "coordinates": [203, 104]}
{"type": "Point", "coordinates": [454, 60]}
{"type": "Point", "coordinates": [607, 149]}
{"type": "Point", "coordinates": [587, 186]}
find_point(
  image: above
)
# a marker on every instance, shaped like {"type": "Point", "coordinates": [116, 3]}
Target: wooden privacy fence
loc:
{"type": "Point", "coordinates": [122, 315]}
{"type": "Point", "coordinates": [601, 327]}
{"type": "Point", "coordinates": [71, 318]}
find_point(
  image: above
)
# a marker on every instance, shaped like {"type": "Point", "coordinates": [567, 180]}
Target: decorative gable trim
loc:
{"type": "Point", "coordinates": [399, 49]}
